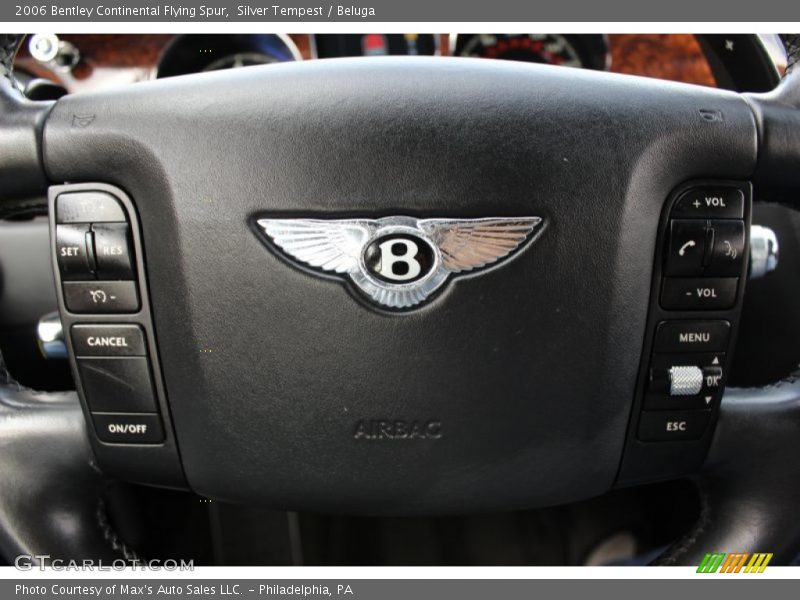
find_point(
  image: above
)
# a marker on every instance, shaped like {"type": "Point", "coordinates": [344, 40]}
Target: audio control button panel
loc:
{"type": "Point", "coordinates": [699, 275]}
{"type": "Point", "coordinates": [105, 309]}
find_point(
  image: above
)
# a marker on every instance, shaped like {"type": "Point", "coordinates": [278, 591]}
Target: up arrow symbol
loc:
{"type": "Point", "coordinates": [715, 361]}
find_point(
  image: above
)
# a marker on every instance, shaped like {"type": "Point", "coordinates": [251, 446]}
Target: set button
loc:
{"type": "Point", "coordinates": [71, 250]}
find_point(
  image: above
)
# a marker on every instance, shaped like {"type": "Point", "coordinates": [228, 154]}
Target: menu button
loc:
{"type": "Point", "coordinates": [692, 336]}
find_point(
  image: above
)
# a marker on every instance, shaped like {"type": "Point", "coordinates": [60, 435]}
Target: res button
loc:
{"type": "Point", "coordinates": [112, 251]}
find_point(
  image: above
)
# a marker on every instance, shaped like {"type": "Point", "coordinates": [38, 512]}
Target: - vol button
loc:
{"type": "Point", "coordinates": [699, 293]}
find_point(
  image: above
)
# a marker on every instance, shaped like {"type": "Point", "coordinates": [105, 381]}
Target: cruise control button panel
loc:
{"type": "Point", "coordinates": [92, 238]}
{"type": "Point", "coordinates": [105, 309]}
{"type": "Point", "coordinates": [699, 274]}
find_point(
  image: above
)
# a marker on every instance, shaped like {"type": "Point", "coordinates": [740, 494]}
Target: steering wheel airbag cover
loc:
{"type": "Point", "coordinates": [526, 372]}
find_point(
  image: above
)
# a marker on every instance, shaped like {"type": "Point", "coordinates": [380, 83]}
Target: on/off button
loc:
{"type": "Point", "coordinates": [128, 428]}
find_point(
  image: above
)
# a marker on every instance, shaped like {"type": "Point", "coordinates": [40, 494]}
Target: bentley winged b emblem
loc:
{"type": "Point", "coordinates": [398, 262]}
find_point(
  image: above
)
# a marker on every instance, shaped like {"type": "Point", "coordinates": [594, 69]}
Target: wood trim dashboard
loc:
{"type": "Point", "coordinates": [107, 59]}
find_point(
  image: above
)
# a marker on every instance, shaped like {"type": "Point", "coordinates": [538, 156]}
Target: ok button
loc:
{"type": "Point", "coordinates": [699, 293]}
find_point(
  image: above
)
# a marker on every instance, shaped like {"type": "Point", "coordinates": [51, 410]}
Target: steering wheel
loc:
{"type": "Point", "coordinates": [400, 286]}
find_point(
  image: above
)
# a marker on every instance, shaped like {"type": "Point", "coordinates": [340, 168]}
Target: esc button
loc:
{"type": "Point", "coordinates": [664, 426]}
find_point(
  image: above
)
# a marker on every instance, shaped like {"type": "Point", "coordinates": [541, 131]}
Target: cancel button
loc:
{"type": "Point", "coordinates": [692, 336]}
{"type": "Point", "coordinates": [108, 340]}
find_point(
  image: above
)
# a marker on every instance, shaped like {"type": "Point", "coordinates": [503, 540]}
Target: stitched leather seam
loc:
{"type": "Point", "coordinates": [684, 544]}
{"type": "Point", "coordinates": [792, 43]}
{"type": "Point", "coordinates": [112, 537]}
